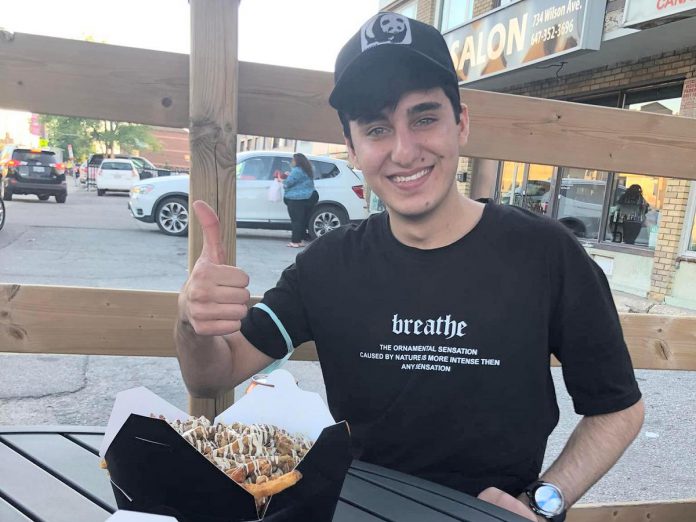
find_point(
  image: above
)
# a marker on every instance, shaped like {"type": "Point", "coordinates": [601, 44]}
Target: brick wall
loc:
{"type": "Point", "coordinates": [483, 6]}
{"type": "Point", "coordinates": [426, 11]}
{"type": "Point", "coordinates": [688, 104]}
{"type": "Point", "coordinates": [612, 77]}
{"type": "Point", "coordinates": [672, 219]}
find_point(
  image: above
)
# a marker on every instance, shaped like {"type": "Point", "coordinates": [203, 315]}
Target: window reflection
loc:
{"type": "Point", "coordinates": [580, 201]}
{"type": "Point", "coordinates": [526, 186]}
{"type": "Point", "coordinates": [634, 214]}
{"type": "Point", "coordinates": [669, 106]}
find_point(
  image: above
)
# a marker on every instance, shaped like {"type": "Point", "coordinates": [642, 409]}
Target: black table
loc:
{"type": "Point", "coordinates": [52, 474]}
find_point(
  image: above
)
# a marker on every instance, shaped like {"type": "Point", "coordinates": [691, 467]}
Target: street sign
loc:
{"type": "Point", "coordinates": [43, 142]}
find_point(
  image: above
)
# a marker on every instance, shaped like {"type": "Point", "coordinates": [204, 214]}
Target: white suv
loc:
{"type": "Point", "coordinates": [341, 199]}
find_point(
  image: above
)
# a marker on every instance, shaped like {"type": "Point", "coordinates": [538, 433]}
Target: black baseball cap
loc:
{"type": "Point", "coordinates": [387, 48]}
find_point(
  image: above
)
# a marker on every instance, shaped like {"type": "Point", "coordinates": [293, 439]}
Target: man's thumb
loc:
{"type": "Point", "coordinates": [212, 243]}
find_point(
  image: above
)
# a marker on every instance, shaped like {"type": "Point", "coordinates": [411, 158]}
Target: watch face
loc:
{"type": "Point", "coordinates": [548, 499]}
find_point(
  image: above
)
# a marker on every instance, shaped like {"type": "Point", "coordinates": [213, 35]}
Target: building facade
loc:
{"type": "Point", "coordinates": [628, 54]}
{"type": "Point", "coordinates": [174, 151]}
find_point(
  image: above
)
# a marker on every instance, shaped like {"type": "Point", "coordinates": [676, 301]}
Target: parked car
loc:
{"type": "Point", "coordinates": [145, 168]}
{"type": "Point", "coordinates": [341, 199]}
{"type": "Point", "coordinates": [117, 175]}
{"type": "Point", "coordinates": [580, 203]}
{"type": "Point", "coordinates": [32, 171]}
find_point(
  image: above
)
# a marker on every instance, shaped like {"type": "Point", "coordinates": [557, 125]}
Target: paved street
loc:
{"type": "Point", "coordinates": [93, 241]}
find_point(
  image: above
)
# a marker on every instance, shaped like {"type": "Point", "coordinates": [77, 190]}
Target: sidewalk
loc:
{"type": "Point", "coordinates": [628, 303]}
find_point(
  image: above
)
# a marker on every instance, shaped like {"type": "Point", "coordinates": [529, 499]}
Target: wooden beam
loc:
{"type": "Point", "coordinates": [661, 342]}
{"type": "Point", "coordinates": [657, 511]}
{"type": "Point", "coordinates": [69, 320]}
{"type": "Point", "coordinates": [52, 75]}
{"type": "Point", "coordinates": [551, 132]}
{"type": "Point", "coordinates": [91, 80]}
{"type": "Point", "coordinates": [213, 137]}
{"type": "Point", "coordinates": [36, 319]}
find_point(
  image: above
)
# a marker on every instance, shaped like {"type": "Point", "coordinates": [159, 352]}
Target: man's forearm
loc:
{"type": "Point", "coordinates": [593, 448]}
{"type": "Point", "coordinates": [205, 361]}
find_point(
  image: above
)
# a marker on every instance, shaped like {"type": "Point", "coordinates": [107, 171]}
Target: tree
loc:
{"type": "Point", "coordinates": [83, 134]}
{"type": "Point", "coordinates": [63, 130]}
{"type": "Point", "coordinates": [127, 136]}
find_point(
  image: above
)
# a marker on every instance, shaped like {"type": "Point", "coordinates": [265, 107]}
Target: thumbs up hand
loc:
{"type": "Point", "coordinates": [215, 296]}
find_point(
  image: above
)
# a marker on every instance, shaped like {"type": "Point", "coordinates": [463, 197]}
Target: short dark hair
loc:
{"type": "Point", "coordinates": [368, 106]}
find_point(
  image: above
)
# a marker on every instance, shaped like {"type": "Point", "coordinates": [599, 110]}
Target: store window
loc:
{"type": "Point", "coordinates": [634, 213]}
{"type": "Point", "coordinates": [609, 207]}
{"type": "Point", "coordinates": [456, 13]}
{"type": "Point", "coordinates": [664, 99]}
{"type": "Point", "coordinates": [526, 186]}
{"type": "Point", "coordinates": [629, 214]}
{"type": "Point", "coordinates": [409, 10]}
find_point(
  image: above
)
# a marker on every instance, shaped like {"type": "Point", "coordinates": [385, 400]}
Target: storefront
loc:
{"type": "Point", "coordinates": [634, 55]}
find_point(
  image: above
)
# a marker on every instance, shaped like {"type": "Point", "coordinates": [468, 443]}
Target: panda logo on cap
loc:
{"type": "Point", "coordinates": [385, 28]}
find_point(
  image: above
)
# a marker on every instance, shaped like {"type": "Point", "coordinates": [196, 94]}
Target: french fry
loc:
{"type": "Point", "coordinates": [273, 486]}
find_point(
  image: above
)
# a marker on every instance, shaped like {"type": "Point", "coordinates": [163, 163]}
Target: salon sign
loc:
{"type": "Point", "coordinates": [523, 34]}
{"type": "Point", "coordinates": [653, 12]}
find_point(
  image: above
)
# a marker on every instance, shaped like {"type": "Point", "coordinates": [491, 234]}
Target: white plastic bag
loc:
{"type": "Point", "coordinates": [275, 191]}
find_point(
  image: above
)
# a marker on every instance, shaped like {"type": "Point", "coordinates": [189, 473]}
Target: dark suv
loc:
{"type": "Point", "coordinates": [34, 171]}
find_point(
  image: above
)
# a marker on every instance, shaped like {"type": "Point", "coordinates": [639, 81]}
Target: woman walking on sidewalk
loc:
{"type": "Point", "coordinates": [299, 197]}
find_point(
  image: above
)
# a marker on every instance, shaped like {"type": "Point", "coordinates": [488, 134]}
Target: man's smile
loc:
{"type": "Point", "coordinates": [410, 177]}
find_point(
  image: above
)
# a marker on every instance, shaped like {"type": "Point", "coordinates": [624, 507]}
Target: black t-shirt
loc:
{"type": "Point", "coordinates": [439, 359]}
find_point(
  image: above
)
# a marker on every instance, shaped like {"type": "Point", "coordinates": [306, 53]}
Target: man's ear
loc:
{"type": "Point", "coordinates": [463, 125]}
{"type": "Point", "coordinates": [351, 152]}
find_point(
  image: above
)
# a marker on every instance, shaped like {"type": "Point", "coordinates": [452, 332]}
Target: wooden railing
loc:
{"type": "Point", "coordinates": [36, 319]}
{"type": "Point", "coordinates": [224, 97]}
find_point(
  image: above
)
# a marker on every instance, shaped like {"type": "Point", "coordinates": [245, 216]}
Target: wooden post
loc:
{"type": "Point", "coordinates": [213, 135]}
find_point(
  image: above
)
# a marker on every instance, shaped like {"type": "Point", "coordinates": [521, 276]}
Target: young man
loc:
{"type": "Point", "coordinates": [434, 321]}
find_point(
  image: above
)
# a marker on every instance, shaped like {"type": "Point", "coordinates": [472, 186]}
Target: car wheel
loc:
{"type": "Point", "coordinates": [2, 214]}
{"type": "Point", "coordinates": [172, 216]}
{"type": "Point", "coordinates": [43, 197]}
{"type": "Point", "coordinates": [60, 198]}
{"type": "Point", "coordinates": [326, 218]}
{"type": "Point", "coordinates": [101, 192]}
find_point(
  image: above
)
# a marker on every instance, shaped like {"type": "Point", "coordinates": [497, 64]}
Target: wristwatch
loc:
{"type": "Point", "coordinates": [546, 500]}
